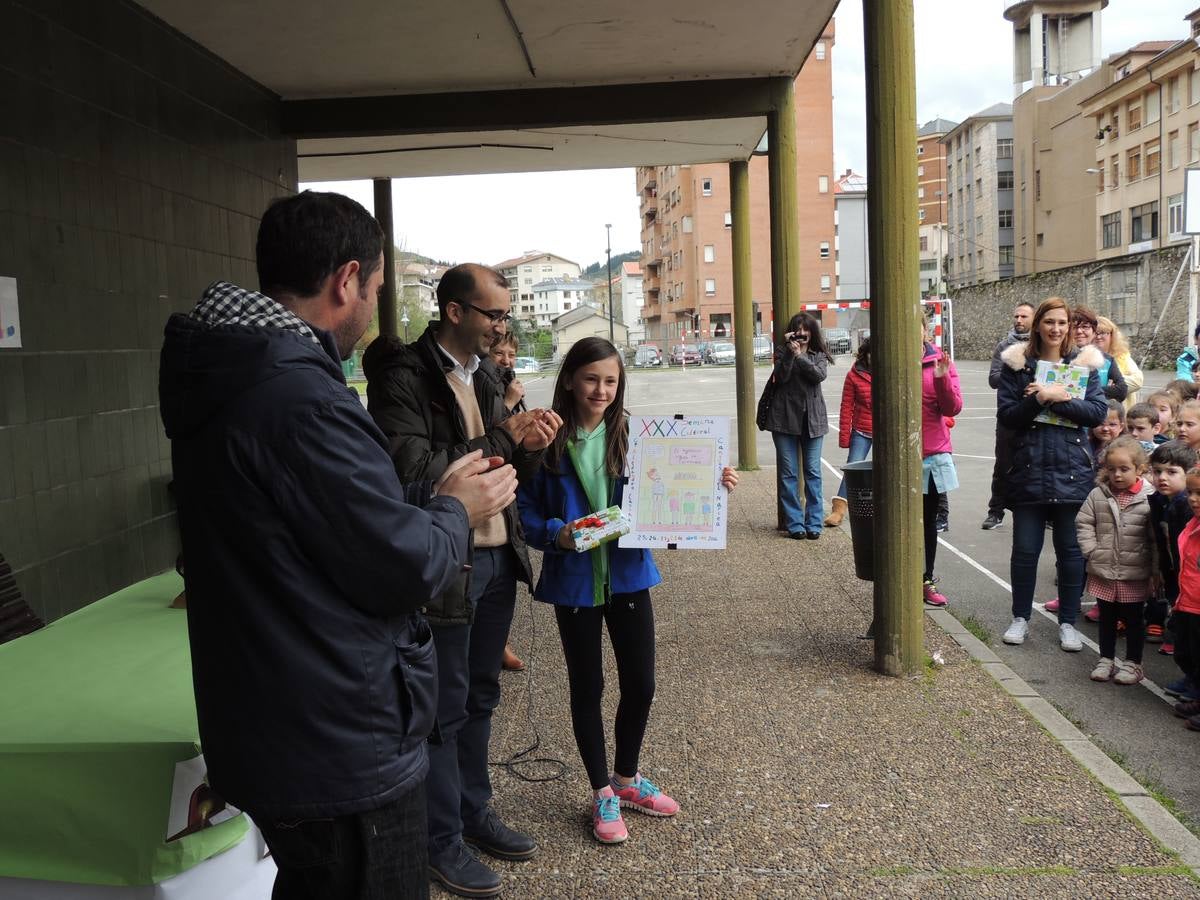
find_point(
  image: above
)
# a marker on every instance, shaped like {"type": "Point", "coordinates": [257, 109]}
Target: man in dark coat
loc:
{"type": "Point", "coordinates": [307, 560]}
{"type": "Point", "coordinates": [1022, 319]}
{"type": "Point", "coordinates": [436, 400]}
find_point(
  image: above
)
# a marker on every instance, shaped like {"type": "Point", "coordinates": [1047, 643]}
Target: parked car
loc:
{"type": "Point", "coordinates": [526, 365]}
{"type": "Point", "coordinates": [837, 340]}
{"type": "Point", "coordinates": [721, 353]}
{"type": "Point", "coordinates": [685, 355]}
{"type": "Point", "coordinates": [647, 355]}
{"type": "Point", "coordinates": [762, 347]}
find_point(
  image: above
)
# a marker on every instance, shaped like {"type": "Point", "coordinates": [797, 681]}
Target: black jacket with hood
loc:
{"type": "Point", "coordinates": [412, 403]}
{"type": "Point", "coordinates": [306, 561]}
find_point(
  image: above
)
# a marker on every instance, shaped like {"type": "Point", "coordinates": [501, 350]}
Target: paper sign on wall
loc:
{"type": "Point", "coordinates": [10, 318]}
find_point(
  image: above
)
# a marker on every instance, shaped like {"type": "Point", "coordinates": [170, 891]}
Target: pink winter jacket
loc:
{"type": "Point", "coordinates": [940, 397]}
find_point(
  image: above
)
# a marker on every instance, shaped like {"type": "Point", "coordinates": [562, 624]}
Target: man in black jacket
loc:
{"type": "Point", "coordinates": [1022, 320]}
{"type": "Point", "coordinates": [307, 560]}
{"type": "Point", "coordinates": [437, 399]}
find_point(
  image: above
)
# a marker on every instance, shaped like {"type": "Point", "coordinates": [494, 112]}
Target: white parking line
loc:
{"type": "Point", "coordinates": [1038, 607]}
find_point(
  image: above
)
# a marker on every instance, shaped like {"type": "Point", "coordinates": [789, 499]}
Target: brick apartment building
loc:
{"type": "Point", "coordinates": [687, 265]}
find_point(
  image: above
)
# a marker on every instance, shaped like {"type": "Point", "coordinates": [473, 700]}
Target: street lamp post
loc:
{"type": "Point", "coordinates": [404, 320]}
{"type": "Point", "coordinates": [612, 337]}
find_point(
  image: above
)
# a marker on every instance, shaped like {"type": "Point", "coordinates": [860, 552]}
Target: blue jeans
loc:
{"type": "Point", "coordinates": [860, 449]}
{"type": "Point", "coordinates": [1029, 532]}
{"type": "Point", "coordinates": [790, 449]}
{"type": "Point", "coordinates": [468, 691]}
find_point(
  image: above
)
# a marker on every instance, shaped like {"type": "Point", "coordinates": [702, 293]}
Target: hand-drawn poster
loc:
{"type": "Point", "coordinates": [10, 318]}
{"type": "Point", "coordinates": [674, 497]}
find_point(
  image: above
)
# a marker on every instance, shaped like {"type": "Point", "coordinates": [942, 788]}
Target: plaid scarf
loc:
{"type": "Point", "coordinates": [227, 304]}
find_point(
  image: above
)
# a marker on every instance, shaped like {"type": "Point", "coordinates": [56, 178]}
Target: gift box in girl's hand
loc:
{"type": "Point", "coordinates": [598, 528]}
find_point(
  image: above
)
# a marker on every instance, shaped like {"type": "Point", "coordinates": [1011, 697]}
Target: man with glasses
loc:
{"type": "Point", "coordinates": [437, 400]}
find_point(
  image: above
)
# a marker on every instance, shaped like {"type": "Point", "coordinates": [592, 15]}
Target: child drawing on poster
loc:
{"type": "Point", "coordinates": [658, 494]}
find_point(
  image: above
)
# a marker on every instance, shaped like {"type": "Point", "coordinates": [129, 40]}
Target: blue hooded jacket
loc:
{"type": "Point", "coordinates": [305, 560]}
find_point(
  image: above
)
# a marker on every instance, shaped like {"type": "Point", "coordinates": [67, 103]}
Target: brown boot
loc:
{"type": "Point", "coordinates": [834, 519]}
{"type": "Point", "coordinates": [511, 662]}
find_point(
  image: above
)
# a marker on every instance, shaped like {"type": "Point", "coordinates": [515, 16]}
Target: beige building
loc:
{"type": "Point", "coordinates": [686, 260]}
{"type": "Point", "coordinates": [1145, 131]}
{"type": "Point", "coordinates": [585, 321]}
{"type": "Point", "coordinates": [980, 197]}
{"type": "Point", "coordinates": [528, 269]}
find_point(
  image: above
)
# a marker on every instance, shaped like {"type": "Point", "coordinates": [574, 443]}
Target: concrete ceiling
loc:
{"type": "Point", "coordinates": [367, 48]}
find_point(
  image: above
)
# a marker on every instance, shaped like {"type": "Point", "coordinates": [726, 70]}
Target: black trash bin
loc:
{"type": "Point", "coordinates": [861, 503]}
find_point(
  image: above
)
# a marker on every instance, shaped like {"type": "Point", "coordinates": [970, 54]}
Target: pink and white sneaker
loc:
{"type": "Point", "coordinates": [932, 596]}
{"type": "Point", "coordinates": [643, 796]}
{"type": "Point", "coordinates": [607, 825]}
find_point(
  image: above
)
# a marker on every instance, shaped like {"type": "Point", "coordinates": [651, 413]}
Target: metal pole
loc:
{"type": "Point", "coordinates": [612, 339]}
{"type": "Point", "coordinates": [383, 215]}
{"type": "Point", "coordinates": [896, 329]}
{"type": "Point", "coordinates": [743, 315]}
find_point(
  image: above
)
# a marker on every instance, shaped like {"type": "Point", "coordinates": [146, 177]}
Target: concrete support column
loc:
{"type": "Point", "coordinates": [785, 211]}
{"type": "Point", "coordinates": [743, 315]}
{"type": "Point", "coordinates": [383, 214]}
{"type": "Point", "coordinates": [892, 230]}
{"type": "Point", "coordinates": [1037, 49]}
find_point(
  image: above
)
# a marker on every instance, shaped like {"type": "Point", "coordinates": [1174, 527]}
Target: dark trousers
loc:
{"type": "Point", "coordinates": [1029, 533]}
{"type": "Point", "coordinates": [933, 499]}
{"type": "Point", "coordinates": [630, 621]}
{"type": "Point", "coordinates": [468, 691]}
{"type": "Point", "coordinates": [379, 854]}
{"type": "Point", "coordinates": [1186, 628]}
{"type": "Point", "coordinates": [1004, 451]}
{"type": "Point", "coordinates": [1133, 615]}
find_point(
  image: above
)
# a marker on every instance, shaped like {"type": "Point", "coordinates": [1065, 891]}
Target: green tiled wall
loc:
{"type": "Point", "coordinates": [133, 167]}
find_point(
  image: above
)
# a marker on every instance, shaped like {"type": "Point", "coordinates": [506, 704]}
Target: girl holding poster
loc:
{"type": "Point", "coordinates": [608, 586]}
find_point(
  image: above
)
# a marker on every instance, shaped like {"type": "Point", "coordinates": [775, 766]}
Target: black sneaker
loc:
{"type": "Point", "coordinates": [496, 839]}
{"type": "Point", "coordinates": [460, 872]}
{"type": "Point", "coordinates": [993, 520]}
{"type": "Point", "coordinates": [942, 523]}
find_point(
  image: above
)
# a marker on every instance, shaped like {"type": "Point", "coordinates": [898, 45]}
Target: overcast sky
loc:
{"type": "Point", "coordinates": [964, 64]}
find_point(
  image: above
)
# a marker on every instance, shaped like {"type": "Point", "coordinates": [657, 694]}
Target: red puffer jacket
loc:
{"type": "Point", "coordinates": [856, 405]}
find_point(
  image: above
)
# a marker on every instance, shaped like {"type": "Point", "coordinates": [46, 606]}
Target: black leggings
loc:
{"type": "Point", "coordinates": [1133, 615]}
{"type": "Point", "coordinates": [932, 498]}
{"type": "Point", "coordinates": [630, 620]}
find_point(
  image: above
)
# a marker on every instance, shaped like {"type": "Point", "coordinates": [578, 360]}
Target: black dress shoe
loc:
{"type": "Point", "coordinates": [460, 872]}
{"type": "Point", "coordinates": [797, 535]}
{"type": "Point", "coordinates": [496, 839]}
{"type": "Point", "coordinates": [813, 535]}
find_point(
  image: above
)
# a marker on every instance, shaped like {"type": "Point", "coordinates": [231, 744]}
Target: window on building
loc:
{"type": "Point", "coordinates": [566, 293]}
{"type": "Point", "coordinates": [1006, 218]}
{"type": "Point", "coordinates": [547, 270]}
{"type": "Point", "coordinates": [710, 286]}
{"type": "Point", "coordinates": [687, 224]}
{"type": "Point", "coordinates": [924, 243]}
{"type": "Point", "coordinates": [1004, 181]}
{"type": "Point", "coordinates": [1193, 87]}
{"type": "Point", "coordinates": [1133, 117]}
{"type": "Point", "coordinates": [1153, 105]}
{"type": "Point", "coordinates": [920, 149]}
{"type": "Point", "coordinates": [1041, 239]}
{"type": "Point", "coordinates": [1175, 216]}
{"type": "Point", "coordinates": [706, 187]}
{"type": "Point", "coordinates": [710, 253]}
{"type": "Point", "coordinates": [728, 219]}
{"type": "Point", "coordinates": [1100, 178]}
{"type": "Point", "coordinates": [819, 51]}
{"type": "Point", "coordinates": [1133, 164]}
{"type": "Point", "coordinates": [1194, 143]}
{"type": "Point", "coordinates": [921, 215]}
{"type": "Point", "coordinates": [1174, 89]}
{"type": "Point", "coordinates": [1004, 148]}
{"type": "Point", "coordinates": [826, 284]}
{"type": "Point", "coordinates": [823, 249]}
{"type": "Point", "coordinates": [822, 184]}
{"type": "Point", "coordinates": [921, 171]}
{"type": "Point", "coordinates": [1116, 172]}
{"type": "Point", "coordinates": [1174, 151]}
{"type": "Point", "coordinates": [1153, 158]}
{"type": "Point", "coordinates": [1110, 226]}
{"type": "Point", "coordinates": [1143, 222]}
{"type": "Point", "coordinates": [1037, 185]}
{"type": "Point", "coordinates": [1006, 254]}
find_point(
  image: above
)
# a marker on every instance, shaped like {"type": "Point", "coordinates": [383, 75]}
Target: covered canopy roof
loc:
{"type": "Point", "coordinates": [509, 85]}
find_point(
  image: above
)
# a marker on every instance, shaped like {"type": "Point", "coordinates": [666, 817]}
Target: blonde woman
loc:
{"type": "Point", "coordinates": [1110, 340]}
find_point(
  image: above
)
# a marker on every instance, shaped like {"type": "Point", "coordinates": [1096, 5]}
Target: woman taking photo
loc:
{"type": "Point", "coordinates": [1051, 472]}
{"type": "Point", "coordinates": [1111, 342]}
{"type": "Point", "coordinates": [797, 420]}
{"type": "Point", "coordinates": [854, 423]}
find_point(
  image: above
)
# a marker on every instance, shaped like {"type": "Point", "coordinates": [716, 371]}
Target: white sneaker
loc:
{"type": "Point", "coordinates": [1068, 638]}
{"type": "Point", "coordinates": [1105, 669]}
{"type": "Point", "coordinates": [1017, 631]}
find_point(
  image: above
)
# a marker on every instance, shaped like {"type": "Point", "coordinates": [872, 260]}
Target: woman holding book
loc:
{"type": "Point", "coordinates": [1049, 397]}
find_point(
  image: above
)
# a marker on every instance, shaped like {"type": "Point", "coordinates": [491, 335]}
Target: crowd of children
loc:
{"type": "Point", "coordinates": [1140, 536]}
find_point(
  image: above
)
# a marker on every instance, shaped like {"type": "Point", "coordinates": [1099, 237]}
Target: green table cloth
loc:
{"type": "Point", "coordinates": [95, 711]}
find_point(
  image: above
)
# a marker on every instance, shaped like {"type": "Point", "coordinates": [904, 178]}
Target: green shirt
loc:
{"type": "Point", "coordinates": [587, 456]}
